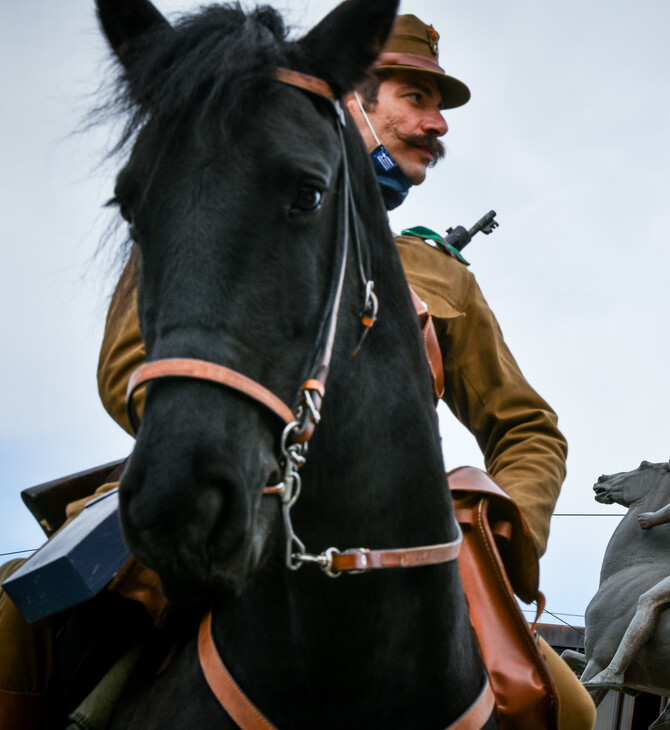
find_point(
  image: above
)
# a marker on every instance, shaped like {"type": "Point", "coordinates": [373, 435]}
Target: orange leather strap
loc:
{"type": "Point", "coordinates": [180, 367]}
{"type": "Point", "coordinates": [477, 714]}
{"type": "Point", "coordinates": [248, 717]}
{"type": "Point", "coordinates": [431, 344]}
{"type": "Point", "coordinates": [303, 81]}
{"type": "Point", "coordinates": [223, 686]}
{"type": "Point", "coordinates": [364, 559]}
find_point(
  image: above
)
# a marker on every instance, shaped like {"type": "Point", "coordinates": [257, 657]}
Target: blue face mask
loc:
{"type": "Point", "coordinates": [393, 182]}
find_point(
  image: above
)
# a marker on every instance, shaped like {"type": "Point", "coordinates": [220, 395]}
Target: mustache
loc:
{"type": "Point", "coordinates": [428, 142]}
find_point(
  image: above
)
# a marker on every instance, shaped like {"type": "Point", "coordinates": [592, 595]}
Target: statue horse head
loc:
{"type": "Point", "coordinates": [263, 248]}
{"type": "Point", "coordinates": [629, 487]}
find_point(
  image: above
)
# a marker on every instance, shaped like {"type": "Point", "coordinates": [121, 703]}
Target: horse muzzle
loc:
{"type": "Point", "coordinates": [192, 510]}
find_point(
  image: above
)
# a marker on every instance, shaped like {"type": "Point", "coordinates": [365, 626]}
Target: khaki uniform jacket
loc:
{"type": "Point", "coordinates": [514, 427]}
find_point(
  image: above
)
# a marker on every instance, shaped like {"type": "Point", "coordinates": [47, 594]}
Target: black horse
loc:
{"type": "Point", "coordinates": [237, 195]}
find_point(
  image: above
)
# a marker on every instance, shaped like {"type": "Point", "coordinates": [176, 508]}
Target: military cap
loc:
{"type": "Point", "coordinates": [412, 46]}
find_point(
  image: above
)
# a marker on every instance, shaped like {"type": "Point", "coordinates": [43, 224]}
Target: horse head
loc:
{"type": "Point", "coordinates": [629, 487]}
{"type": "Point", "coordinates": [234, 194]}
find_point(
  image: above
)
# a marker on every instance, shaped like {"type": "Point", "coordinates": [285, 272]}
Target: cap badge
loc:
{"type": "Point", "coordinates": [434, 38]}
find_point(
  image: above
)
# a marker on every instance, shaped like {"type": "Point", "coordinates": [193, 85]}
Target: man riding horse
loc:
{"type": "Point", "coordinates": [398, 111]}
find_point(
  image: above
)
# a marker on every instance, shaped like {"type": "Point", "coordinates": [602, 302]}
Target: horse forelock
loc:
{"type": "Point", "coordinates": [215, 61]}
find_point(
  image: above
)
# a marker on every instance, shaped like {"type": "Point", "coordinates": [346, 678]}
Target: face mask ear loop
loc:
{"type": "Point", "coordinates": [365, 116]}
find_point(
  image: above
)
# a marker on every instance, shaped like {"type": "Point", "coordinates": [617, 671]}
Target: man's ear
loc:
{"type": "Point", "coordinates": [343, 46]}
{"type": "Point", "coordinates": [349, 100]}
{"type": "Point", "coordinates": [124, 21]}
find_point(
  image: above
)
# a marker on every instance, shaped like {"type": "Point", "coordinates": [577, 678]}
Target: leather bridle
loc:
{"type": "Point", "coordinates": [301, 421]}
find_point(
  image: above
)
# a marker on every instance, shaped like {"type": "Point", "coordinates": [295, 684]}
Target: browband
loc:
{"type": "Point", "coordinates": [304, 81]}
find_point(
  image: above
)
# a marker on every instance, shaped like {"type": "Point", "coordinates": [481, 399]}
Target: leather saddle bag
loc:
{"type": "Point", "coordinates": [498, 559]}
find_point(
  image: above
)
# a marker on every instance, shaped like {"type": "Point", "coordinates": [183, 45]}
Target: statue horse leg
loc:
{"type": "Point", "coordinates": [589, 670]}
{"type": "Point", "coordinates": [638, 633]}
{"type": "Point", "coordinates": [575, 660]}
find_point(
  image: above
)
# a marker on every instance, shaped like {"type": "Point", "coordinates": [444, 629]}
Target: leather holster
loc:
{"type": "Point", "coordinates": [498, 559]}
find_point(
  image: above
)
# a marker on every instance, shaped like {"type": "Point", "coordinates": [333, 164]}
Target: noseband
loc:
{"type": "Point", "coordinates": [300, 421]}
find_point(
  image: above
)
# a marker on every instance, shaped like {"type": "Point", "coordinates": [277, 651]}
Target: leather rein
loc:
{"type": "Point", "coordinates": [300, 423]}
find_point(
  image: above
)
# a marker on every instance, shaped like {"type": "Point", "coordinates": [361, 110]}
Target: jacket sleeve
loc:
{"type": "Point", "coordinates": [515, 428]}
{"type": "Point", "coordinates": [122, 349]}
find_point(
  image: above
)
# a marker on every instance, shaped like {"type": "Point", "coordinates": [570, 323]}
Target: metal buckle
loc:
{"type": "Point", "coordinates": [327, 563]}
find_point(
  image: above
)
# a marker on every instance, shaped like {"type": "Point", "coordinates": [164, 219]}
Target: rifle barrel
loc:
{"type": "Point", "coordinates": [482, 223]}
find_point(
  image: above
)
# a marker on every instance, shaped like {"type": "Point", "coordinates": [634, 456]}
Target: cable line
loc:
{"type": "Point", "coordinates": [17, 552]}
{"type": "Point", "coordinates": [586, 514]}
{"type": "Point", "coordinates": [546, 610]}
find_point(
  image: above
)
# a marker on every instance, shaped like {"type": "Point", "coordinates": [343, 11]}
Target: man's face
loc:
{"type": "Point", "coordinates": [407, 120]}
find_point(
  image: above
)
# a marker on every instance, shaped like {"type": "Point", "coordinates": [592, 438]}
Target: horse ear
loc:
{"type": "Point", "coordinates": [347, 41]}
{"type": "Point", "coordinates": [123, 21]}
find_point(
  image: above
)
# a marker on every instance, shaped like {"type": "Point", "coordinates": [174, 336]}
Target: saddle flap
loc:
{"type": "Point", "coordinates": [518, 551]}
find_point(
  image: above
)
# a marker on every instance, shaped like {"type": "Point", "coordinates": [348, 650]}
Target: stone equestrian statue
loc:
{"type": "Point", "coordinates": [641, 628]}
{"type": "Point", "coordinates": [627, 627]}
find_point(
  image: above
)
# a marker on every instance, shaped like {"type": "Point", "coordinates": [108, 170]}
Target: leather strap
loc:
{"type": "Point", "coordinates": [243, 712]}
{"type": "Point", "coordinates": [180, 367]}
{"type": "Point", "coordinates": [223, 686]}
{"type": "Point", "coordinates": [363, 559]}
{"type": "Point", "coordinates": [431, 344]}
{"type": "Point", "coordinates": [477, 714]}
{"type": "Point", "coordinates": [304, 81]}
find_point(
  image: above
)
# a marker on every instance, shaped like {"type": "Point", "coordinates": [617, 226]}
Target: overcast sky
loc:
{"type": "Point", "coordinates": [566, 137]}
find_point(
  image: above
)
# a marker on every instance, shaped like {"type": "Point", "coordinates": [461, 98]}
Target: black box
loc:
{"type": "Point", "coordinates": [74, 565]}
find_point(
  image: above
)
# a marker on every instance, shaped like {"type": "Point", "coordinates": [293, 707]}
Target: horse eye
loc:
{"type": "Point", "coordinates": [307, 200]}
